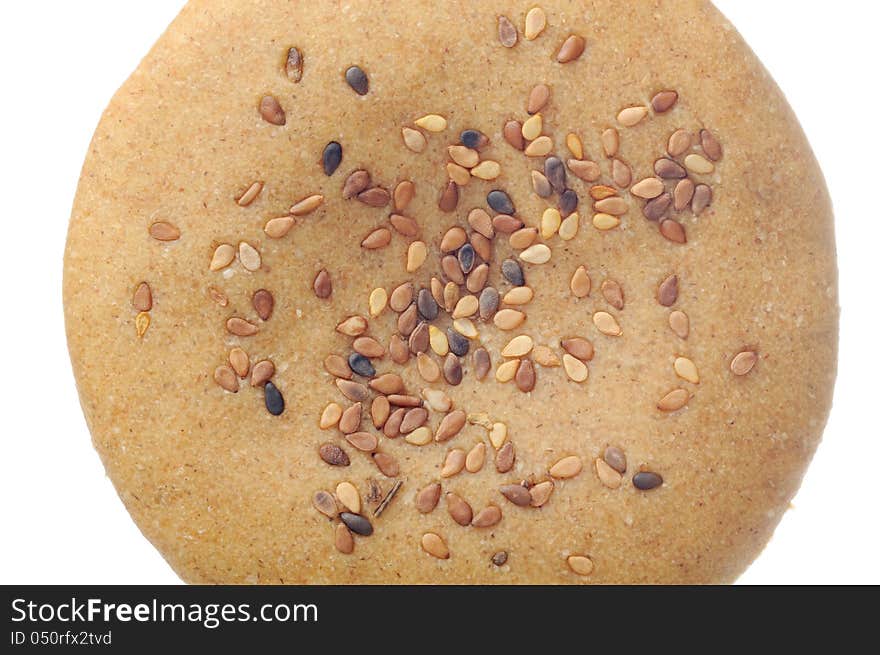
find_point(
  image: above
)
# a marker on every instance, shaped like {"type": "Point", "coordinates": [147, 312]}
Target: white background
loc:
{"type": "Point", "coordinates": [60, 519]}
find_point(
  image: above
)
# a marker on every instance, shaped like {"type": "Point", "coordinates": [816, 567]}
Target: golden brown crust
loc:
{"type": "Point", "coordinates": [224, 490]}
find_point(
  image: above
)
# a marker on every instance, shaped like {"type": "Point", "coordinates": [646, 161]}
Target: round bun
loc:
{"type": "Point", "coordinates": [453, 293]}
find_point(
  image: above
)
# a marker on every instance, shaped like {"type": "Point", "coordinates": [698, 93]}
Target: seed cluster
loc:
{"type": "Point", "coordinates": [439, 327]}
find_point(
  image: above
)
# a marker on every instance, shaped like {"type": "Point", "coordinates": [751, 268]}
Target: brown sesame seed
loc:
{"type": "Point", "coordinates": [450, 426]}
{"type": "Point", "coordinates": [615, 458]}
{"type": "Point", "coordinates": [669, 169]}
{"type": "Point", "coordinates": [386, 464]}
{"type": "Point", "coordinates": [507, 33]}
{"type": "Point", "coordinates": [380, 409]}
{"type": "Point", "coordinates": [538, 98]}
{"type": "Point", "coordinates": [452, 269]}
{"type": "Point", "coordinates": [613, 293]}
{"type": "Point", "coordinates": [523, 238]}
{"type": "Point", "coordinates": [263, 302]}
{"type": "Point", "coordinates": [578, 347]}
{"type": "Point", "coordinates": [656, 208]}
{"type": "Point", "coordinates": [225, 377]}
{"type": "Point", "coordinates": [391, 429]}
{"type": "Point", "coordinates": [647, 480]}
{"type": "Point", "coordinates": [667, 292]}
{"type": "Point", "coordinates": [481, 222]}
{"type": "Point", "coordinates": [399, 349]}
{"type": "Point", "coordinates": [540, 493]}
{"type": "Point", "coordinates": [404, 192]}
{"type": "Point", "coordinates": [505, 458]}
{"type": "Point", "coordinates": [333, 455]}
{"type": "Point", "coordinates": [674, 400]}
{"type": "Point", "coordinates": [525, 376]}
{"type": "Point", "coordinates": [353, 326]}
{"type": "Point", "coordinates": [673, 231]}
{"type": "Point", "coordinates": [368, 347]}
{"type": "Point", "coordinates": [403, 400]}
{"type": "Point", "coordinates": [408, 320]}
{"type": "Point", "coordinates": [482, 363]}
{"type": "Point", "coordinates": [217, 296]}
{"type": "Point", "coordinates": [702, 199]}
{"type": "Point", "coordinates": [512, 133]}
{"type": "Point", "coordinates": [420, 339]}
{"type": "Point", "coordinates": [567, 467]}
{"type": "Point", "coordinates": [433, 544]}
{"type": "Point", "coordinates": [413, 419]}
{"type": "Point", "coordinates": [323, 285]}
{"type": "Point", "coordinates": [249, 195]}
{"type": "Point", "coordinates": [743, 362]}
{"type": "Point", "coordinates": [541, 185]}
{"type": "Point", "coordinates": [477, 279]}
{"type": "Point", "coordinates": [475, 459]}
{"type": "Point", "coordinates": [293, 65]}
{"type": "Point", "coordinates": [428, 497]}
{"type": "Point", "coordinates": [452, 370]}
{"type": "Point", "coordinates": [499, 558]}
{"type": "Point", "coordinates": [487, 517]}
{"type": "Point", "coordinates": [506, 224]}
{"type": "Point", "coordinates": [454, 239]}
{"type": "Point", "coordinates": [378, 238]}
{"type": "Point", "coordinates": [363, 441]}
{"type": "Point", "coordinates": [164, 231]}
{"type": "Point", "coordinates": [580, 283]}
{"type": "Point", "coordinates": [453, 464]}
{"type": "Point", "coordinates": [358, 181]}
{"type": "Point", "coordinates": [571, 49]}
{"type": "Point", "coordinates": [583, 169]}
{"type": "Point", "coordinates": [388, 383]}
{"type": "Point", "coordinates": [354, 391]}
{"type": "Point", "coordinates": [679, 323]}
{"type": "Point", "coordinates": [621, 173]}
{"type": "Point", "coordinates": [337, 366]}
{"type": "Point", "coordinates": [664, 101]}
{"type": "Point", "coordinates": [325, 503]}
{"type": "Point", "coordinates": [401, 297]}
{"type": "Point", "coordinates": [615, 205]}
{"type": "Point", "coordinates": [240, 362]}
{"type": "Point", "coordinates": [449, 198]}
{"type": "Point", "coordinates": [437, 291]}
{"type": "Point", "coordinates": [142, 300]}
{"type": "Point", "coordinates": [428, 368]}
{"type": "Point", "coordinates": [450, 296]}
{"type": "Point", "coordinates": [459, 509]}
{"type": "Point", "coordinates": [711, 145]}
{"type": "Point", "coordinates": [374, 197]}
{"type": "Point", "coordinates": [271, 111]}
{"type": "Point", "coordinates": [683, 194]}
{"type": "Point", "coordinates": [240, 327]}
{"type": "Point", "coordinates": [343, 540]}
{"type": "Point", "coordinates": [262, 372]}
{"type": "Point", "coordinates": [679, 143]}
{"type": "Point", "coordinates": [516, 493]}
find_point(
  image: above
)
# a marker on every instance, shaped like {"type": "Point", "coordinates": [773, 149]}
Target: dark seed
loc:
{"type": "Point", "coordinates": [525, 376]}
{"type": "Point", "coordinates": [517, 494]}
{"type": "Point", "coordinates": [323, 285]}
{"type": "Point", "coordinates": [361, 365]}
{"type": "Point", "coordinates": [568, 202]}
{"type": "Point", "coordinates": [449, 198]}
{"type": "Point", "coordinates": [615, 458]}
{"type": "Point", "coordinates": [357, 80]}
{"type": "Point", "coordinates": [513, 272]}
{"type": "Point", "coordinates": [333, 455]}
{"type": "Point", "coordinates": [473, 139]}
{"type": "Point", "coordinates": [374, 197]}
{"type": "Point", "coordinates": [452, 370]}
{"type": "Point", "coordinates": [669, 169]}
{"type": "Point", "coordinates": [358, 181]}
{"type": "Point", "coordinates": [554, 171]}
{"type": "Point", "coordinates": [357, 523]}
{"type": "Point", "coordinates": [501, 202]}
{"type": "Point", "coordinates": [466, 258]}
{"type": "Point", "coordinates": [331, 158]}
{"type": "Point", "coordinates": [427, 306]}
{"type": "Point", "coordinates": [646, 480]}
{"type": "Point", "coordinates": [500, 558]}
{"type": "Point", "coordinates": [458, 344]}
{"type": "Point", "coordinates": [274, 399]}
{"type": "Point", "coordinates": [656, 209]}
{"type": "Point", "coordinates": [489, 301]}
{"type": "Point", "coordinates": [482, 363]}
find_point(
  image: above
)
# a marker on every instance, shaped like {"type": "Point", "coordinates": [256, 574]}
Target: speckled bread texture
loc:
{"type": "Point", "coordinates": [224, 489]}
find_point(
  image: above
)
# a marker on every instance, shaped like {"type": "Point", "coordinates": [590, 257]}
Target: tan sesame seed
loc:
{"type": "Point", "coordinates": [249, 256]}
{"type": "Point", "coordinates": [454, 464]}
{"type": "Point", "coordinates": [519, 296]}
{"type": "Point", "coordinates": [368, 347]}
{"type": "Point", "coordinates": [607, 475]}
{"type": "Point", "coordinates": [378, 301]}
{"type": "Point", "coordinates": [507, 33]}
{"type": "Point", "coordinates": [536, 21]}
{"type": "Point", "coordinates": [429, 496]}
{"type": "Point", "coordinates": [507, 371]}
{"type": "Point", "coordinates": [142, 299]}
{"type": "Point", "coordinates": [686, 369]}
{"type": "Point", "coordinates": [353, 326]}
{"type": "Point", "coordinates": [414, 418]}
{"type": "Point", "coordinates": [550, 222]}
{"type": "Point", "coordinates": [454, 239]}
{"type": "Point", "coordinates": [437, 400]}
{"type": "Point", "coordinates": [487, 170]}
{"type": "Point", "coordinates": [536, 254]}
{"type": "Point", "coordinates": [420, 436]}
{"type": "Point", "coordinates": [433, 544]}
{"type": "Point", "coordinates": [538, 97]}
{"type": "Point", "coordinates": [481, 222]}
{"type": "Point", "coordinates": [378, 238]}
{"type": "Point", "coordinates": [610, 142]}
{"type": "Point", "coordinates": [240, 362]}
{"type": "Point", "coordinates": [163, 231]}
{"type": "Point", "coordinates": [262, 372]}
{"type": "Point", "coordinates": [401, 297]}
{"type": "Point", "coordinates": [621, 173]}
{"type": "Point", "coordinates": [223, 256]}
{"type": "Point", "coordinates": [497, 435]}
{"type": "Point", "coordinates": [307, 205]}
{"type": "Point", "coordinates": [325, 503]}
{"type": "Point", "coordinates": [613, 293]}
{"type": "Point", "coordinates": [605, 222]}
{"type": "Point", "coordinates": [399, 349]}
{"type": "Point", "coordinates": [476, 279]}
{"type": "Point", "coordinates": [476, 458]}
{"type": "Point", "coordinates": [404, 225]}
{"type": "Point", "coordinates": [568, 229]}
{"type": "Point", "coordinates": [523, 238]}
{"type": "Point", "coordinates": [679, 143]}
{"type": "Point", "coordinates": [575, 145]}
{"type": "Point", "coordinates": [664, 101]}
{"type": "Point", "coordinates": [540, 147]}
{"type": "Point", "coordinates": [674, 400]}
{"type": "Point", "coordinates": [439, 342]}
{"type": "Point", "coordinates": [702, 199]}
{"type": "Point", "coordinates": [356, 182]}
{"type": "Point", "coordinates": [567, 467]}
{"type": "Point", "coordinates": [512, 132]}
{"type": "Point", "coordinates": [607, 324]}
{"type": "Point", "coordinates": [225, 377]}
{"type": "Point", "coordinates": [330, 416]}
{"type": "Point", "coordinates": [432, 123]}
{"type": "Point", "coordinates": [482, 363]}
{"type": "Point", "coordinates": [271, 111]}
{"type": "Point", "coordinates": [348, 495]}
{"type": "Point", "coordinates": [217, 296]}
{"type": "Point", "coordinates": [571, 49]}
{"type": "Point", "coordinates": [683, 194]}
{"type": "Point", "coordinates": [276, 228]}
{"type": "Point", "coordinates": [711, 146]}
{"type": "Point", "coordinates": [575, 369]}
{"type": "Point", "coordinates": [463, 156]}
{"type": "Point", "coordinates": [414, 140]}
{"type": "Point", "coordinates": [450, 296]}
{"type": "Point", "coordinates": [632, 116]}
{"type": "Point", "coordinates": [487, 517]}
{"type": "Point", "coordinates": [648, 188]}
{"type": "Point", "coordinates": [546, 357]}
{"type": "Point", "coordinates": [404, 192]}
{"type": "Point", "coordinates": [343, 540]}
{"type": "Point", "coordinates": [415, 256]}
{"type": "Point", "coordinates": [428, 368]}
{"type": "Point", "coordinates": [580, 564]}
{"type": "Point", "coordinates": [673, 231]}
{"type": "Point", "coordinates": [580, 283]}
{"type": "Point", "coordinates": [250, 194]}
{"type": "Point", "coordinates": [615, 205]}
{"type": "Point", "coordinates": [532, 128]}
{"type": "Point", "coordinates": [508, 319]}
{"type": "Point", "coordinates": [586, 170]}
{"type": "Point", "coordinates": [698, 164]}
{"type": "Point", "coordinates": [390, 383]}
{"type": "Point", "coordinates": [240, 327]}
{"type": "Point", "coordinates": [374, 197]}
{"type": "Point", "coordinates": [337, 367]}
{"type": "Point", "coordinates": [743, 362]}
{"type": "Point", "coordinates": [679, 323]}
{"type": "Point", "coordinates": [518, 346]}
{"type": "Point", "coordinates": [540, 493]}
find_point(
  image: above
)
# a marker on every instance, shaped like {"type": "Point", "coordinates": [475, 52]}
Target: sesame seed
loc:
{"type": "Point", "coordinates": [554, 170]}
{"type": "Point", "coordinates": [607, 324]}
{"type": "Point", "coordinates": [540, 493]}
{"type": "Point", "coordinates": [580, 564]}
{"type": "Point", "coordinates": [567, 467]}
{"type": "Point", "coordinates": [588, 171]}
{"type": "Point", "coordinates": [378, 301]}
{"type": "Point", "coordinates": [679, 142]}
{"type": "Point", "coordinates": [477, 278]}
{"type": "Point", "coordinates": [574, 145]}
{"type": "Point", "coordinates": [667, 292]}
{"type": "Point", "coordinates": [575, 369]}
{"type": "Point", "coordinates": [605, 222]}
{"type": "Point", "coordinates": [673, 231]}
{"type": "Point", "coordinates": [357, 79]}
{"type": "Point", "coordinates": [330, 416]}
{"type": "Point", "coordinates": [578, 347]}
{"type": "Point", "coordinates": [240, 362]}
{"type": "Point", "coordinates": [743, 362]}
{"type": "Point", "coordinates": [498, 437]}
{"type": "Point", "coordinates": [523, 238]}
{"type": "Point", "coordinates": [271, 111]}
{"type": "Point", "coordinates": [361, 365]}
{"type": "Point", "coordinates": [250, 194]}
{"type": "Point", "coordinates": [354, 391]}
{"type": "Point", "coordinates": [532, 128]}
{"type": "Point", "coordinates": [404, 192]}
{"type": "Point", "coordinates": [499, 558]}
{"type": "Point", "coordinates": [276, 228]}
{"type": "Point", "coordinates": [240, 327]}
{"type": "Point", "coordinates": [610, 142]}
{"type": "Point", "coordinates": [164, 231]}
{"type": "Point", "coordinates": [507, 371]}
{"type": "Point", "coordinates": [331, 157]}
{"type": "Point", "coordinates": [439, 342]}
{"type": "Point", "coordinates": [506, 224]}
{"type": "Point", "coordinates": [580, 283]}
{"type": "Point", "coordinates": [387, 465]}
{"type": "Point", "coordinates": [516, 493]}
{"type": "Point", "coordinates": [632, 116]}
{"type": "Point", "coordinates": [507, 33]}
{"type": "Point", "coordinates": [482, 363]}
{"type": "Point", "coordinates": [568, 202]}
{"type": "Point", "coordinates": [348, 495]}
{"type": "Point", "coordinates": [648, 188]}
{"type": "Point", "coordinates": [262, 372]}
{"type": "Point", "coordinates": [656, 208]}
{"type": "Point", "coordinates": [512, 133]}
{"type": "Point", "coordinates": [480, 221]}
{"type": "Point", "coordinates": [225, 377]}
{"type": "Point", "coordinates": [674, 400]}
{"type": "Point", "coordinates": [621, 173]}
{"type": "Point", "coordinates": [274, 399]}
{"type": "Point", "coordinates": [459, 509]}
{"type": "Point", "coordinates": [698, 164]}
{"type": "Point", "coordinates": [538, 98]}
{"type": "Point", "coordinates": [223, 256]}
{"type": "Point", "coordinates": [536, 254]}
{"type": "Point", "coordinates": [669, 169]}
{"type": "Point", "coordinates": [664, 101]}
{"type": "Point", "coordinates": [293, 65]}
{"type": "Point", "coordinates": [541, 185]}
{"type": "Point", "coordinates": [571, 49]}
{"type": "Point", "coordinates": [518, 346]}
{"type": "Point", "coordinates": [264, 303]}
{"type": "Point", "coordinates": [458, 344]}
{"type": "Point", "coordinates": [615, 458]}
{"type": "Point", "coordinates": [374, 197]}
{"type": "Point", "coordinates": [378, 238]}
{"type": "Point", "coordinates": [519, 296]}
{"type": "Point", "coordinates": [249, 257]}
{"type": "Point", "coordinates": [508, 319]}
{"type": "Point", "coordinates": [702, 199]}
{"type": "Point", "coordinates": [473, 139]}
{"type": "Point", "coordinates": [353, 326]}
{"type": "Point", "coordinates": [404, 225]}
{"type": "Point", "coordinates": [450, 426]}
{"type": "Point", "coordinates": [487, 170]}
{"type": "Point", "coordinates": [325, 503]}
{"type": "Point", "coordinates": [357, 523]}
{"type": "Point", "coordinates": [415, 256]}
{"type": "Point", "coordinates": [465, 327]}
{"type": "Point", "coordinates": [513, 272]}
{"type": "Point", "coordinates": [464, 157]}
{"type": "Point", "coordinates": [413, 139]}
{"type": "Point", "coordinates": [487, 517]}
{"type": "Point", "coordinates": [686, 369]}
{"type": "Point", "coordinates": [646, 480]}
{"type": "Point", "coordinates": [452, 370]}
{"type": "Point", "coordinates": [500, 202]}
{"type": "Point", "coordinates": [683, 194]}
{"type": "Point", "coordinates": [540, 147]}
{"type": "Point", "coordinates": [433, 544]}
{"type": "Point", "coordinates": [536, 21]}
{"type": "Point", "coordinates": [428, 497]}
{"type": "Point", "coordinates": [526, 376]}
{"type": "Point", "coordinates": [466, 306]}
{"type": "Point", "coordinates": [546, 357]}
{"type": "Point", "coordinates": [711, 146]}
{"type": "Point", "coordinates": [343, 540]}
{"type": "Point", "coordinates": [680, 324]}
{"type": "Point", "coordinates": [142, 300]}
{"type": "Point", "coordinates": [449, 198]}
{"type": "Point", "coordinates": [613, 293]}
{"type": "Point", "coordinates": [421, 436]}
{"type": "Point", "coordinates": [432, 123]}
